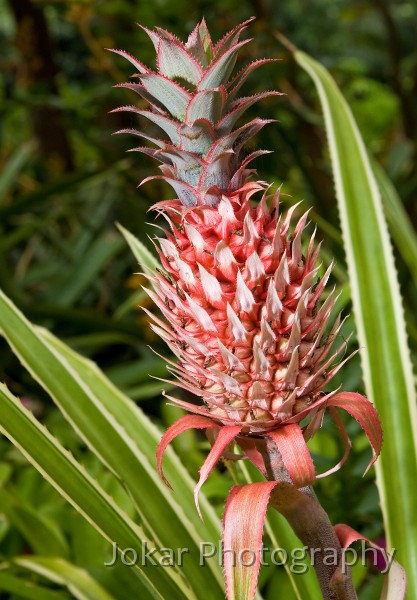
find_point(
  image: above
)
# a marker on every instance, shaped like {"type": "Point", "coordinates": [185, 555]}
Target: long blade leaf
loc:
{"type": "Point", "coordinates": [378, 309]}
{"type": "Point", "coordinates": [27, 589]}
{"type": "Point", "coordinates": [120, 436]}
{"type": "Point", "coordinates": [73, 482]}
{"type": "Point", "coordinates": [78, 581]}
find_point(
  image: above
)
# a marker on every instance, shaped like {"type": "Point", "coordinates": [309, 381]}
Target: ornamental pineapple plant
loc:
{"type": "Point", "coordinates": [242, 305]}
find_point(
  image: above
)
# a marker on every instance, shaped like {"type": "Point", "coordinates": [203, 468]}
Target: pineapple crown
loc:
{"type": "Point", "coordinates": [194, 100]}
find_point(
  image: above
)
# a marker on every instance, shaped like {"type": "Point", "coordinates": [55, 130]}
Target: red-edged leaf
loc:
{"type": "Point", "coordinates": [254, 155]}
{"type": "Point", "coordinates": [175, 62]}
{"type": "Point", "coordinates": [295, 454]}
{"type": "Point", "coordinates": [156, 141]}
{"type": "Point", "coordinates": [159, 107]}
{"type": "Point", "coordinates": [128, 108]}
{"type": "Point", "coordinates": [168, 93]}
{"type": "Point", "coordinates": [183, 424]}
{"type": "Point", "coordinates": [197, 137]}
{"type": "Point", "coordinates": [145, 150]}
{"type": "Point", "coordinates": [220, 69]}
{"type": "Point", "coordinates": [181, 159]}
{"type": "Point", "coordinates": [167, 35]}
{"type": "Point", "coordinates": [236, 83]}
{"type": "Point", "coordinates": [243, 523]}
{"type": "Point", "coordinates": [359, 407]}
{"type": "Point", "coordinates": [237, 109]}
{"type": "Point", "coordinates": [230, 38]}
{"type": "Point", "coordinates": [225, 437]}
{"type": "Point", "coordinates": [207, 104]}
{"type": "Point", "coordinates": [365, 414]}
{"type": "Point", "coordinates": [134, 61]}
{"type": "Point", "coordinates": [346, 442]}
{"type": "Point", "coordinates": [198, 41]}
{"type": "Point", "coordinates": [185, 192]}
{"type": "Point", "coordinates": [158, 35]}
{"type": "Point", "coordinates": [168, 125]}
{"type": "Point", "coordinates": [217, 172]}
{"type": "Point", "coordinates": [249, 448]}
{"type": "Point", "coordinates": [152, 34]}
{"type": "Point", "coordinates": [238, 137]}
{"type": "Point", "coordinates": [395, 581]}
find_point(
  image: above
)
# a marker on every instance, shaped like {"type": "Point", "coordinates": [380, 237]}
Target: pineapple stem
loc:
{"type": "Point", "coordinates": [311, 524]}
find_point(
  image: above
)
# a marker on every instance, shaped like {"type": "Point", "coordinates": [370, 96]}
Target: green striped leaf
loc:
{"type": "Point", "coordinates": [124, 440]}
{"type": "Point", "coordinates": [379, 317]}
{"type": "Point", "coordinates": [147, 437]}
{"type": "Point", "coordinates": [27, 589]}
{"type": "Point", "coordinates": [41, 532]}
{"type": "Point", "coordinates": [78, 581]}
{"type": "Point", "coordinates": [83, 492]}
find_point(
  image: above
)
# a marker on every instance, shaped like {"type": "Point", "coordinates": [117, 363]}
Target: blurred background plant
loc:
{"type": "Point", "coordinates": [65, 181]}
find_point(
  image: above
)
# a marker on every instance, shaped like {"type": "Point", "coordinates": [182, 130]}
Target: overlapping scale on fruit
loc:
{"type": "Point", "coordinates": [243, 310]}
{"type": "Point", "coordinates": [194, 101]}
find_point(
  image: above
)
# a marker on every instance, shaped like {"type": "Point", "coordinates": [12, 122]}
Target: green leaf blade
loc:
{"type": "Point", "coordinates": [78, 581]}
{"type": "Point", "coordinates": [27, 589]}
{"type": "Point", "coordinates": [378, 309]}
{"type": "Point", "coordinates": [73, 482]}
{"type": "Point", "coordinates": [110, 425]}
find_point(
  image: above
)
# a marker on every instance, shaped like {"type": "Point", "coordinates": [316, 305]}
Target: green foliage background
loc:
{"type": "Point", "coordinates": [65, 181]}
